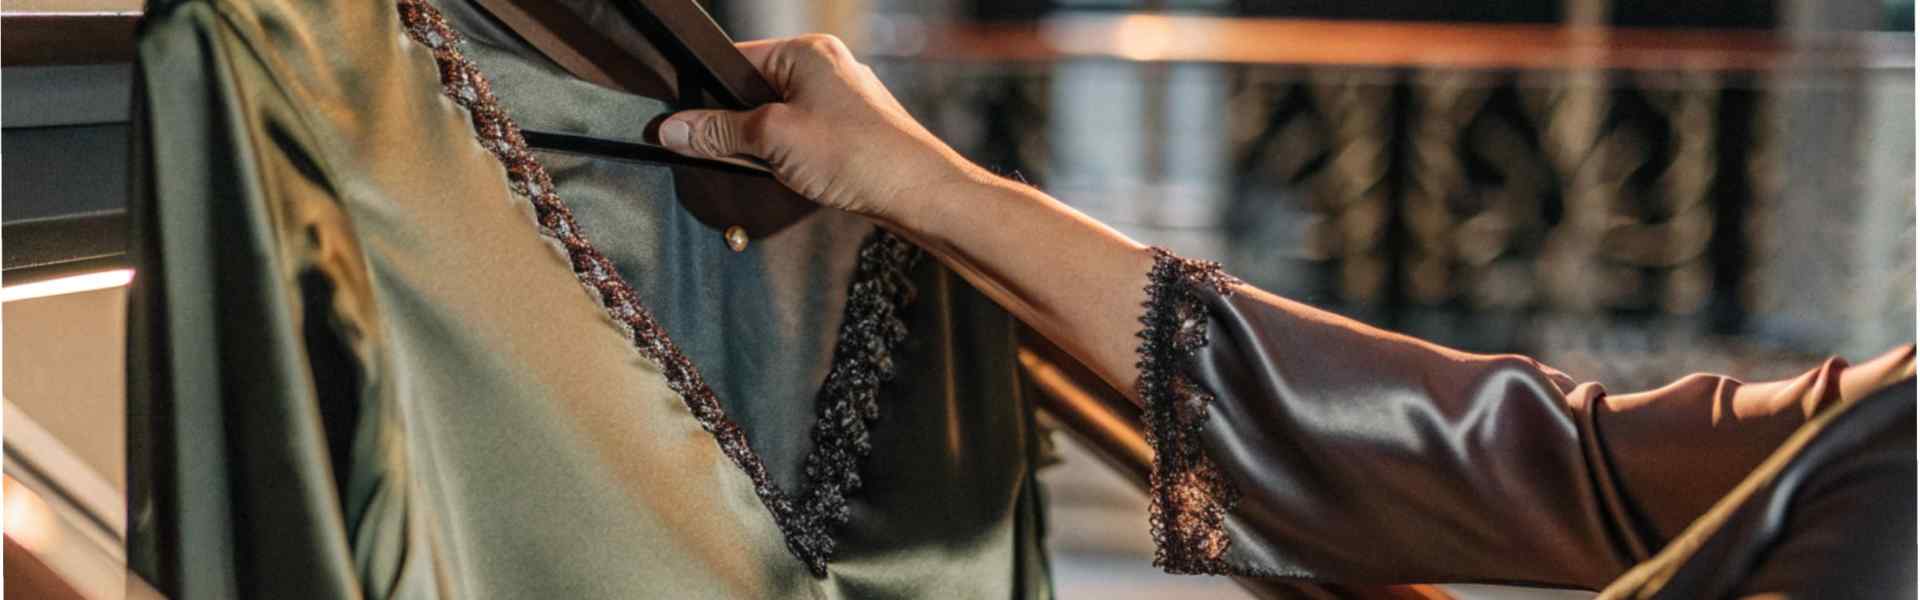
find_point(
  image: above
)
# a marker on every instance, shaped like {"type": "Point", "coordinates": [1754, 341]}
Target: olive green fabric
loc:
{"type": "Point", "coordinates": [356, 370]}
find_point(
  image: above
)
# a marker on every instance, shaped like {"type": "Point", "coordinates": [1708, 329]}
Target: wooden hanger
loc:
{"type": "Point", "coordinates": [693, 42]}
{"type": "Point", "coordinates": [681, 56]}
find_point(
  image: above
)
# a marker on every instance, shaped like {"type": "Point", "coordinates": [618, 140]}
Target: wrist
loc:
{"type": "Point", "coordinates": [928, 207]}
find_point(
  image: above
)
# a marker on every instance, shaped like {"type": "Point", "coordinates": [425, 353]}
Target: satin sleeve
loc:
{"type": "Point", "coordinates": [1294, 443]}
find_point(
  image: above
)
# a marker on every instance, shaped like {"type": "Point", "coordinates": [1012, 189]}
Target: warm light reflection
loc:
{"type": "Point", "coordinates": [1132, 37]}
{"type": "Point", "coordinates": [67, 285]}
{"type": "Point", "coordinates": [28, 521]}
{"type": "Point", "coordinates": [1142, 37]}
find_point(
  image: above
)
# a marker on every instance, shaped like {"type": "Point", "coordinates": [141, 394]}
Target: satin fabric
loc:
{"type": "Point", "coordinates": [355, 369]}
{"type": "Point", "coordinates": [1364, 456]}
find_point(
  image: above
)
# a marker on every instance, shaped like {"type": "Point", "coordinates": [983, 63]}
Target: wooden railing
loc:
{"type": "Point", "coordinates": [61, 38]}
{"type": "Point", "coordinates": [1280, 41]}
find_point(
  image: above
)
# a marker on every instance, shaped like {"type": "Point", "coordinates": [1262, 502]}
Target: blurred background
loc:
{"type": "Point", "coordinates": [1630, 190]}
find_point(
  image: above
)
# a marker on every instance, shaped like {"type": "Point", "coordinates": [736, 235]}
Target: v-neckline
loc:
{"type": "Point", "coordinates": [848, 401]}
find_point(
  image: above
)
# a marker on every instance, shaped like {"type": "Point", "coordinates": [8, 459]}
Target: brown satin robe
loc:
{"type": "Point", "coordinates": [1363, 456]}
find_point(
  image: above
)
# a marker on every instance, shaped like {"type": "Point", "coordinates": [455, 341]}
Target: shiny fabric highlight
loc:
{"type": "Point", "coordinates": [357, 370]}
{"type": "Point", "coordinates": [848, 401]}
{"type": "Point", "coordinates": [1362, 456]}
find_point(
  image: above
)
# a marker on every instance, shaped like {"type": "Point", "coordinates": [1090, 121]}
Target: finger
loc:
{"type": "Point", "coordinates": [717, 133]}
{"type": "Point", "coordinates": [759, 52]}
{"type": "Point", "coordinates": [769, 57]}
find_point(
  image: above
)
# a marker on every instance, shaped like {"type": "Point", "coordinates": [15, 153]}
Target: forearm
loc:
{"type": "Point", "coordinates": [1074, 280]}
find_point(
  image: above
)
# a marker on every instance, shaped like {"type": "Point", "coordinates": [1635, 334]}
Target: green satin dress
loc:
{"type": "Point", "coordinates": [378, 348]}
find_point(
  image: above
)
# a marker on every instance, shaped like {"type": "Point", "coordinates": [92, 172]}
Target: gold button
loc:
{"type": "Point", "coordinates": [736, 238]}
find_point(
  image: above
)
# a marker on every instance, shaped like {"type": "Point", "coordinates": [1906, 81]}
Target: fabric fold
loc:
{"type": "Point", "coordinates": [1294, 443]}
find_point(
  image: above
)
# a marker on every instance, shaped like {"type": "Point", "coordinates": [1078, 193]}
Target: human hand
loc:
{"type": "Point", "coordinates": [839, 138]}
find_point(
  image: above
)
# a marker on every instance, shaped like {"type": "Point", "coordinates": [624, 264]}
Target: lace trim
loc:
{"type": "Point", "coordinates": [863, 355]}
{"type": "Point", "coordinates": [849, 401]}
{"type": "Point", "coordinates": [1189, 498]}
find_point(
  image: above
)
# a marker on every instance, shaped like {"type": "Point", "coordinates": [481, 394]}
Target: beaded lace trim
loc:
{"type": "Point", "coordinates": [1189, 497]}
{"type": "Point", "coordinates": [863, 356]}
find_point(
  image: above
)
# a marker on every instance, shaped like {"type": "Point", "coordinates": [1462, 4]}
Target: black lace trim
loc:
{"type": "Point", "coordinates": [863, 357]}
{"type": "Point", "coordinates": [849, 401]}
{"type": "Point", "coordinates": [1189, 498]}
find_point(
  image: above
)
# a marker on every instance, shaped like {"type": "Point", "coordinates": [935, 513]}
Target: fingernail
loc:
{"type": "Point", "coordinates": [676, 136]}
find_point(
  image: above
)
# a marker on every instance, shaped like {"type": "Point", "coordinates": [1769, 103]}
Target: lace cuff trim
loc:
{"type": "Point", "coordinates": [1189, 498]}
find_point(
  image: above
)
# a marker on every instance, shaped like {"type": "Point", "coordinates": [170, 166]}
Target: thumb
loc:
{"type": "Point", "coordinates": [715, 133]}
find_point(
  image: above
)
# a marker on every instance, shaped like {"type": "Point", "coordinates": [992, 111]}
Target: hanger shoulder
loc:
{"type": "Point", "coordinates": [686, 30]}
{"type": "Point", "coordinates": [563, 37]}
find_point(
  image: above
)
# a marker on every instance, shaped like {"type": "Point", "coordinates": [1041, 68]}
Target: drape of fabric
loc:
{"type": "Point", "coordinates": [1333, 451]}
{"type": "Point", "coordinates": [357, 369]}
